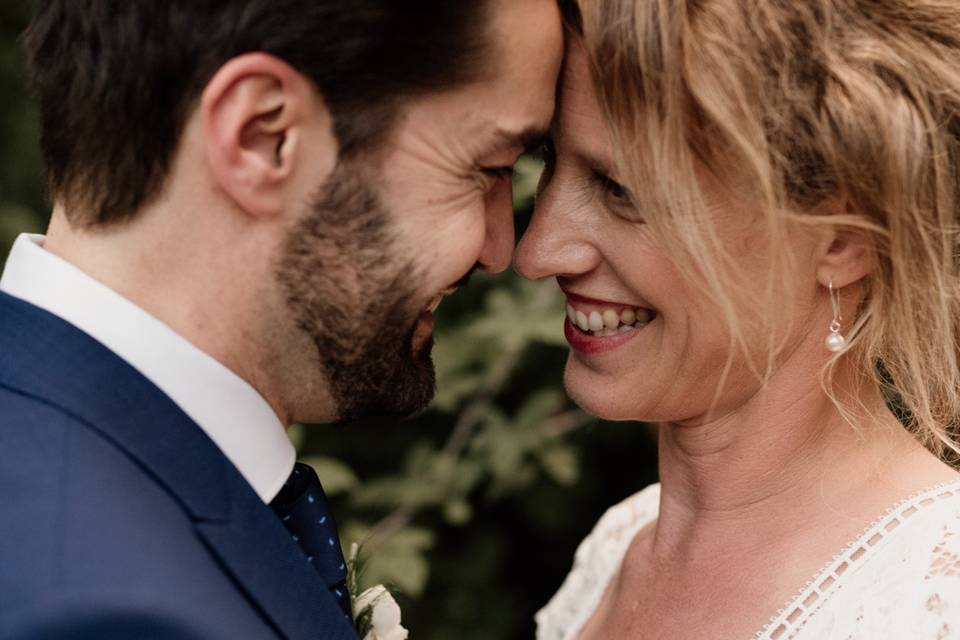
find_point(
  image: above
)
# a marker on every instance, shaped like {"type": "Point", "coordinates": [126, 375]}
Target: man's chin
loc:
{"type": "Point", "coordinates": [388, 409]}
{"type": "Point", "coordinates": [405, 392]}
{"type": "Point", "coordinates": [384, 413]}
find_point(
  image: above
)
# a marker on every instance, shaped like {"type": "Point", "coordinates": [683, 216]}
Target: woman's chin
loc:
{"type": "Point", "coordinates": [603, 397]}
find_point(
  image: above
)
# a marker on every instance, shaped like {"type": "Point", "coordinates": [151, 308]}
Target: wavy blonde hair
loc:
{"type": "Point", "coordinates": [850, 103]}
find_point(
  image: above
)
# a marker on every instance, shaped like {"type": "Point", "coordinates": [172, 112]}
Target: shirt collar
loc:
{"type": "Point", "coordinates": [230, 411]}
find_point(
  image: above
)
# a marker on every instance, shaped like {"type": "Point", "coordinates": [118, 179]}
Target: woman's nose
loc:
{"type": "Point", "coordinates": [500, 237]}
{"type": "Point", "coordinates": [557, 241]}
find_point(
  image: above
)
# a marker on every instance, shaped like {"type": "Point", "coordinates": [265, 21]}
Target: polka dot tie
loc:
{"type": "Point", "coordinates": [302, 507]}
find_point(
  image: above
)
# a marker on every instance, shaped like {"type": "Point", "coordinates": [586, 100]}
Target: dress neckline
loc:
{"type": "Point", "coordinates": [799, 609]}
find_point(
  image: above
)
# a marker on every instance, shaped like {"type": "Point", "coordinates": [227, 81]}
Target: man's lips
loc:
{"type": "Point", "coordinates": [462, 282]}
{"type": "Point", "coordinates": [422, 331]}
{"type": "Point", "coordinates": [435, 303]}
{"type": "Point", "coordinates": [423, 328]}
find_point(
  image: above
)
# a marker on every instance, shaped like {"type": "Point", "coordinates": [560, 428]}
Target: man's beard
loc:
{"type": "Point", "coordinates": [349, 289]}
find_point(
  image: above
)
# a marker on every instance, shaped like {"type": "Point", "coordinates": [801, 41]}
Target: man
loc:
{"type": "Point", "coordinates": [258, 204]}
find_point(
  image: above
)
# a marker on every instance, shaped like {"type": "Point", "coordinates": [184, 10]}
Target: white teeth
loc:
{"type": "Point", "coordinates": [611, 319]}
{"type": "Point", "coordinates": [596, 322]}
{"type": "Point", "coordinates": [582, 321]}
{"type": "Point", "coordinates": [608, 322]}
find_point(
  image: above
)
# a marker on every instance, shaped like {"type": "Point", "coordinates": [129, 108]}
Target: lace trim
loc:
{"type": "Point", "coordinates": [797, 611]}
{"type": "Point", "coordinates": [945, 562]}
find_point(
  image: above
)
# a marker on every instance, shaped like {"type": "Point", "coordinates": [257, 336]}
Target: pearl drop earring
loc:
{"type": "Point", "coordinates": [835, 341]}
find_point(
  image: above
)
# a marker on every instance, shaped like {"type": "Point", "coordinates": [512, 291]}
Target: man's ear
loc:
{"type": "Point", "coordinates": [845, 256]}
{"type": "Point", "coordinates": [260, 118]}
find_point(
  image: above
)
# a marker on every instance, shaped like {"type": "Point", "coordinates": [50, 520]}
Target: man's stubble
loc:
{"type": "Point", "coordinates": [350, 289]}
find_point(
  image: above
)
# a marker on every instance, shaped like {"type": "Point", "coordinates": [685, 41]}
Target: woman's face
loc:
{"type": "Point", "coordinates": [645, 344]}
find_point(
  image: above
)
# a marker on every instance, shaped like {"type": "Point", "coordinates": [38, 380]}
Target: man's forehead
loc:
{"type": "Point", "coordinates": [522, 91]}
{"type": "Point", "coordinates": [511, 108]}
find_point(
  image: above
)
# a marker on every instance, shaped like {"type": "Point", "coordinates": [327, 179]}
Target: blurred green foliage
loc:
{"type": "Point", "coordinates": [21, 195]}
{"type": "Point", "coordinates": [474, 510]}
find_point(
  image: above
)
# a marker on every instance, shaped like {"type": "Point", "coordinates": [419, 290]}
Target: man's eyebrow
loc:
{"type": "Point", "coordinates": [529, 139]}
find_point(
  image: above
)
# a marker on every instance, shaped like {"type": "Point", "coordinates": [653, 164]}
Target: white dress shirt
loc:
{"type": "Point", "coordinates": [231, 412]}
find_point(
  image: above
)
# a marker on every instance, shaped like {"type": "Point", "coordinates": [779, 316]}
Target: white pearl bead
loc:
{"type": "Point", "coordinates": [835, 342]}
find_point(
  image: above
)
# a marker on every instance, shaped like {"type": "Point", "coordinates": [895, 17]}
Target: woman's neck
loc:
{"type": "Point", "coordinates": [785, 463]}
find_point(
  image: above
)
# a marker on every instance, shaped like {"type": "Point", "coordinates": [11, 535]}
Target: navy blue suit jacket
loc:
{"type": "Point", "coordinates": [119, 517]}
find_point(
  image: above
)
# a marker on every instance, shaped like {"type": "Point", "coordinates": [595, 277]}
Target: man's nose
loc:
{"type": "Point", "coordinates": [500, 237]}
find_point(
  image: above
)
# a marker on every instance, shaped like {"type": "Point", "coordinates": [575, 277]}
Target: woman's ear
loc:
{"type": "Point", "coordinates": [265, 124]}
{"type": "Point", "coordinates": [845, 256]}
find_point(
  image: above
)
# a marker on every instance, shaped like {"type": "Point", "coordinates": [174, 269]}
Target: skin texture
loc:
{"type": "Point", "coordinates": [341, 263]}
{"type": "Point", "coordinates": [255, 163]}
{"type": "Point", "coordinates": [770, 475]}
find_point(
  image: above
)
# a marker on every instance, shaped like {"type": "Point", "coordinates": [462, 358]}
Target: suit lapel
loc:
{"type": "Point", "coordinates": [42, 356]}
{"type": "Point", "coordinates": [255, 550]}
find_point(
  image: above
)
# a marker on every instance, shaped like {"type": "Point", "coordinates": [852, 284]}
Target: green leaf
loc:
{"type": "Point", "coordinates": [14, 220]}
{"type": "Point", "coordinates": [297, 435]}
{"type": "Point", "coordinates": [392, 492]}
{"type": "Point", "coordinates": [469, 473]}
{"type": "Point", "coordinates": [562, 464]}
{"type": "Point", "coordinates": [399, 562]}
{"type": "Point", "coordinates": [539, 407]}
{"type": "Point", "coordinates": [335, 476]}
{"type": "Point", "coordinates": [527, 172]}
{"type": "Point", "coordinates": [457, 512]}
{"type": "Point", "coordinates": [408, 570]}
{"type": "Point", "coordinates": [454, 389]}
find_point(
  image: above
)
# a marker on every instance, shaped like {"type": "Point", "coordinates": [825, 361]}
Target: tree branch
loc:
{"type": "Point", "coordinates": [471, 417]}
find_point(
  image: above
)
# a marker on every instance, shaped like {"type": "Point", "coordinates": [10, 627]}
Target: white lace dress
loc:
{"type": "Point", "coordinates": [899, 580]}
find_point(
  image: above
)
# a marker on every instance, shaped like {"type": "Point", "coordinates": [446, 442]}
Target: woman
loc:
{"type": "Point", "coordinates": [752, 208]}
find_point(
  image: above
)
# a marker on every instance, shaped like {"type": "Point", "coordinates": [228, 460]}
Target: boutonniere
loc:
{"type": "Point", "coordinates": [376, 613]}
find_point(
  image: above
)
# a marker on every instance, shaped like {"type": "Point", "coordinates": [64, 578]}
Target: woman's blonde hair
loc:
{"type": "Point", "coordinates": [853, 104]}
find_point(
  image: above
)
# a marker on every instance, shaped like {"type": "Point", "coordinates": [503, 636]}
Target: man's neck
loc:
{"type": "Point", "coordinates": [201, 285]}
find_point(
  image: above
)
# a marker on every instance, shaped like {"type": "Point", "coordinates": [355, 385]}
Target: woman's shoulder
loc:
{"type": "Point", "coordinates": [596, 561]}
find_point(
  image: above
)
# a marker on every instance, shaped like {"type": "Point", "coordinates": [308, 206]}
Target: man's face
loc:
{"type": "Point", "coordinates": [386, 240]}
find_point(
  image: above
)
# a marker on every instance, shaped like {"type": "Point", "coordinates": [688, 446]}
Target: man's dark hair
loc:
{"type": "Point", "coordinates": [572, 18]}
{"type": "Point", "coordinates": [117, 79]}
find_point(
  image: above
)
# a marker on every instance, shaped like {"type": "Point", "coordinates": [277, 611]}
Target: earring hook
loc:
{"type": "Point", "coordinates": [835, 341]}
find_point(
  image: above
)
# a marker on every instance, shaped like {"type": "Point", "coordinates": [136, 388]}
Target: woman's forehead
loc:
{"type": "Point", "coordinates": [580, 124]}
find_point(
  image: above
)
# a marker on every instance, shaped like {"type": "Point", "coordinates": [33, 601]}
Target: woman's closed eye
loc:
{"type": "Point", "coordinates": [615, 197]}
{"type": "Point", "coordinates": [614, 193]}
{"type": "Point", "coordinates": [613, 190]}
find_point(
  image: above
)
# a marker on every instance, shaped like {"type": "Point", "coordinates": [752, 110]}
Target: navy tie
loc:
{"type": "Point", "coordinates": [302, 507]}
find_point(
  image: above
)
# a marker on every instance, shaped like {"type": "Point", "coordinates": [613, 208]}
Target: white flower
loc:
{"type": "Point", "coordinates": [385, 614]}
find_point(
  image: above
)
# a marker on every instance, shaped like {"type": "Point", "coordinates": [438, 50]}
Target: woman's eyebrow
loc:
{"type": "Point", "coordinates": [594, 161]}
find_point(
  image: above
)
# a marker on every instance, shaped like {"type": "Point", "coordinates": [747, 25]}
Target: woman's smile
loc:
{"type": "Point", "coordinates": [597, 326]}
